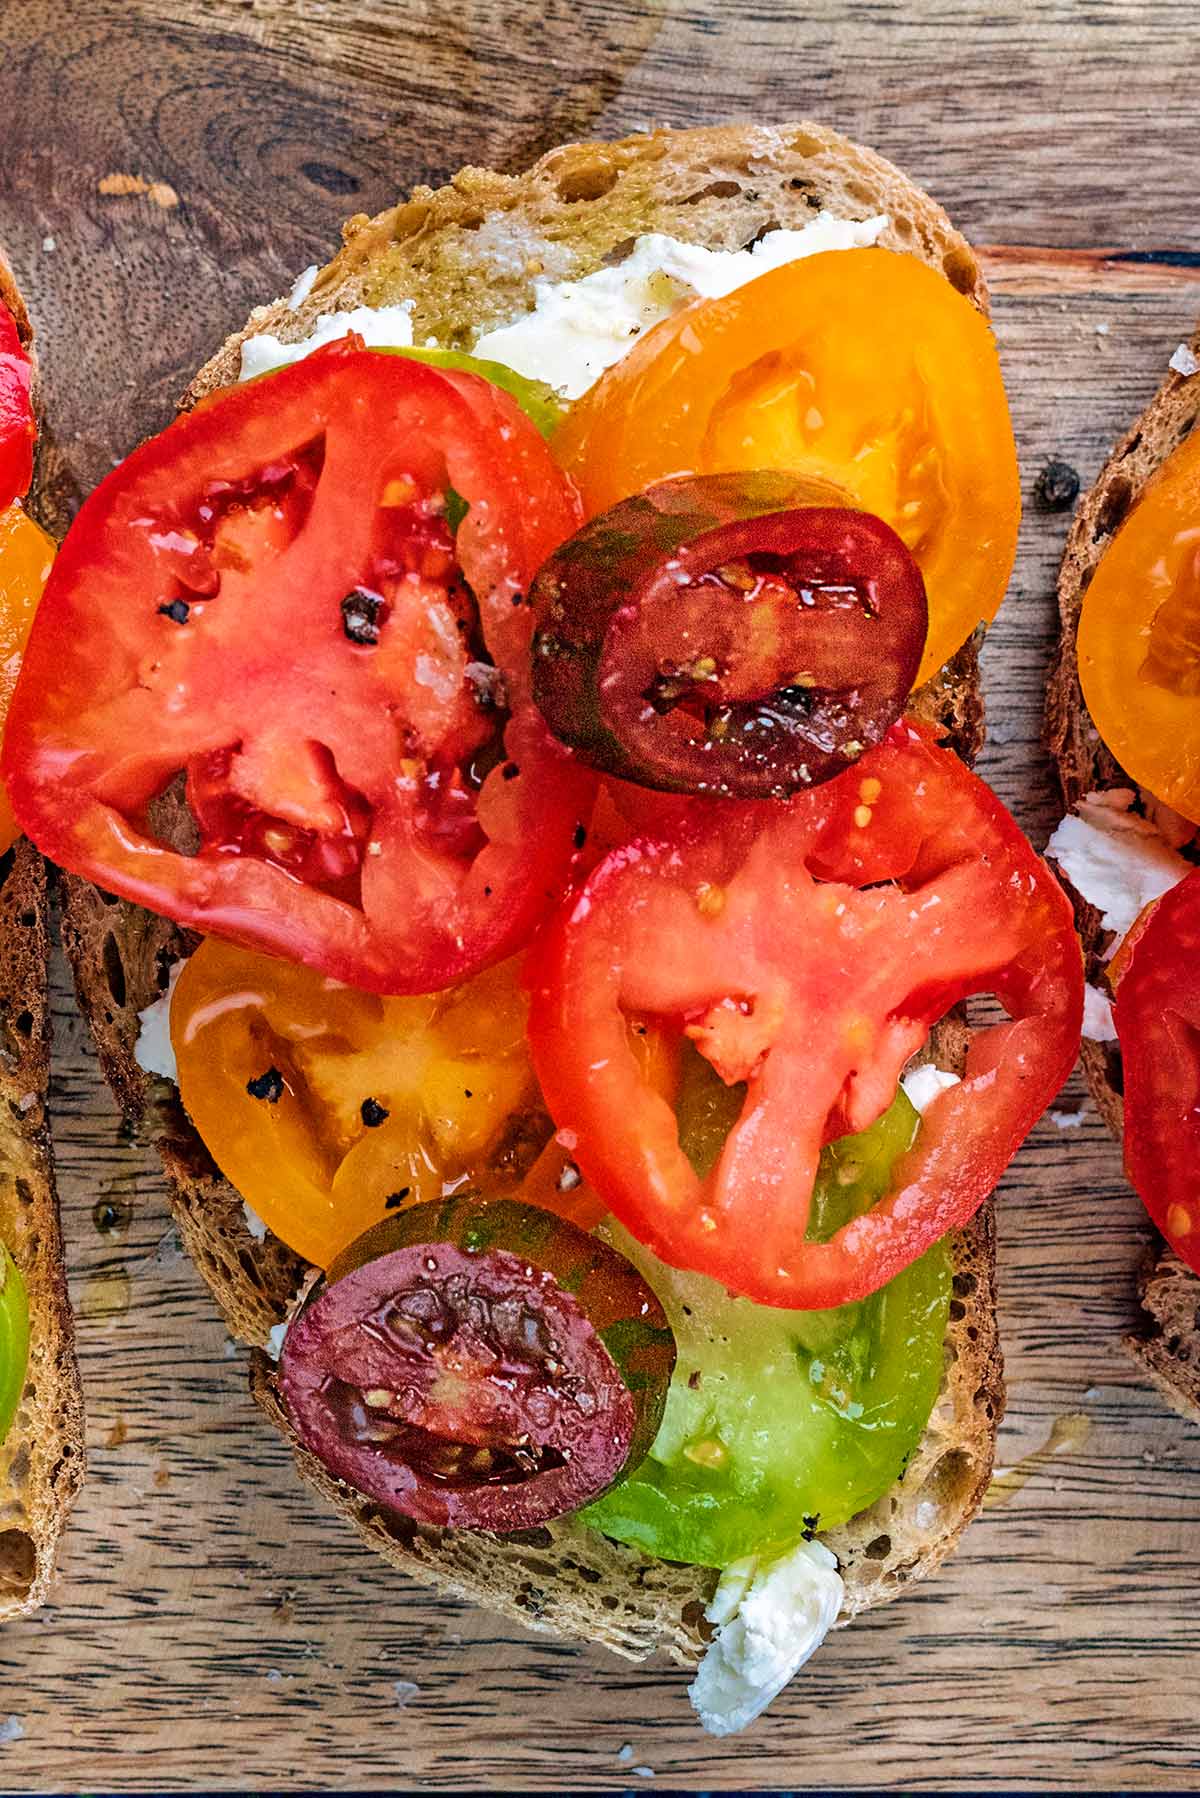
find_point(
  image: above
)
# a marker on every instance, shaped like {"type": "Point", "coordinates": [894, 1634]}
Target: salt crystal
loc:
{"type": "Point", "coordinates": [1183, 361]}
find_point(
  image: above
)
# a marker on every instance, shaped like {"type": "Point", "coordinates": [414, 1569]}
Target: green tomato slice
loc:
{"type": "Point", "coordinates": [539, 403]}
{"type": "Point", "coordinates": [781, 1422]}
{"type": "Point", "coordinates": [14, 1339]}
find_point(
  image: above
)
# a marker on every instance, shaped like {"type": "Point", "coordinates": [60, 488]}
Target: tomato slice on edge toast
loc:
{"type": "Point", "coordinates": [806, 949]}
{"type": "Point", "coordinates": [305, 597]}
{"type": "Point", "coordinates": [861, 367]}
{"type": "Point", "coordinates": [1157, 1016]}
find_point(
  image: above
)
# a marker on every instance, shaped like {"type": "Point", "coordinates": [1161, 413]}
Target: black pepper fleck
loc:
{"type": "Point", "coordinates": [177, 610]}
{"type": "Point", "coordinates": [373, 1113]}
{"type": "Point", "coordinates": [1057, 487]}
{"type": "Point", "coordinates": [361, 620]}
{"type": "Point", "coordinates": [268, 1086]}
{"type": "Point", "coordinates": [509, 771]}
{"type": "Point", "coordinates": [395, 1199]}
{"type": "Point", "coordinates": [580, 837]}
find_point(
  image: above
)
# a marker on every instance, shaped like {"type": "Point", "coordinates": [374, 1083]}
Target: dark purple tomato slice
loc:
{"type": "Point", "coordinates": [726, 635]}
{"type": "Point", "coordinates": [481, 1366]}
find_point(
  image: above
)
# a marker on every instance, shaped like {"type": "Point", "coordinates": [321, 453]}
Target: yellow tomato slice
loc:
{"type": "Point", "coordinates": [328, 1107]}
{"type": "Point", "coordinates": [860, 367]}
{"type": "Point", "coordinates": [1139, 637]}
{"type": "Point", "coordinates": [26, 555]}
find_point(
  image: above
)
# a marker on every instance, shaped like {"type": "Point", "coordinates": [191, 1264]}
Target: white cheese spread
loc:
{"type": "Point", "coordinates": [384, 327]}
{"type": "Point", "coordinates": [577, 329]}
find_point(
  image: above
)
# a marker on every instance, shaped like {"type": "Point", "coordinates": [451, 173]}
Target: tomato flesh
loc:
{"type": "Point", "coordinates": [269, 600]}
{"type": "Point", "coordinates": [1157, 1018]}
{"type": "Point", "coordinates": [1139, 636]}
{"type": "Point", "coordinates": [18, 428]}
{"type": "Point", "coordinates": [862, 367]}
{"type": "Point", "coordinates": [330, 1108]}
{"type": "Point", "coordinates": [733, 635]}
{"type": "Point", "coordinates": [806, 949]}
{"type": "Point", "coordinates": [782, 1422]}
{"type": "Point", "coordinates": [481, 1366]}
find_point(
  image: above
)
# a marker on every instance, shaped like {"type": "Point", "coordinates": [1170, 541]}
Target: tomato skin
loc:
{"type": "Point", "coordinates": [26, 557]}
{"type": "Point", "coordinates": [372, 1104]}
{"type": "Point", "coordinates": [1157, 1018]}
{"type": "Point", "coordinates": [116, 699]}
{"type": "Point", "coordinates": [655, 666]}
{"type": "Point", "coordinates": [479, 1365]}
{"type": "Point", "coordinates": [749, 931]}
{"type": "Point", "coordinates": [863, 367]}
{"type": "Point", "coordinates": [1139, 636]}
{"type": "Point", "coordinates": [18, 429]}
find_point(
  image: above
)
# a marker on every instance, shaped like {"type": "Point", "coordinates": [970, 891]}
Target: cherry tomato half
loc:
{"type": "Point", "coordinates": [269, 599]}
{"type": "Point", "coordinates": [483, 1366]}
{"type": "Point", "coordinates": [1139, 636]}
{"type": "Point", "coordinates": [863, 367]}
{"type": "Point", "coordinates": [806, 949]}
{"type": "Point", "coordinates": [735, 635]}
{"type": "Point", "coordinates": [329, 1108]}
{"type": "Point", "coordinates": [1157, 1018]}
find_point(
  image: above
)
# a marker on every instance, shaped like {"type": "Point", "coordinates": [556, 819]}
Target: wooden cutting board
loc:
{"type": "Point", "coordinates": [162, 168]}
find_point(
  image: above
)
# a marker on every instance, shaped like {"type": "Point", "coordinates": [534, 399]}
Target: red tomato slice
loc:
{"type": "Point", "coordinates": [17, 427]}
{"type": "Point", "coordinates": [806, 949]}
{"type": "Point", "coordinates": [269, 599]}
{"type": "Point", "coordinates": [1157, 1015]}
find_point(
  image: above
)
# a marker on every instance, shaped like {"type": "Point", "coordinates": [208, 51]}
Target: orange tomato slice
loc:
{"type": "Point", "coordinates": [1139, 637]}
{"type": "Point", "coordinates": [26, 555]}
{"type": "Point", "coordinates": [860, 367]}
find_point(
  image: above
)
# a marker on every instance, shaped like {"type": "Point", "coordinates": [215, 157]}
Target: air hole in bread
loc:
{"type": "Point", "coordinates": [716, 190]}
{"type": "Point", "coordinates": [763, 231]}
{"type": "Point", "coordinates": [964, 1285]}
{"type": "Point", "coordinates": [1114, 503]}
{"type": "Point", "coordinates": [983, 1401]}
{"type": "Point", "coordinates": [18, 1563]}
{"type": "Point", "coordinates": [879, 1549]}
{"type": "Point", "coordinates": [114, 969]}
{"type": "Point", "coordinates": [960, 269]}
{"type": "Point", "coordinates": [861, 195]}
{"type": "Point", "coordinates": [588, 181]}
{"type": "Point", "coordinates": [957, 1311]}
{"type": "Point", "coordinates": [23, 1190]}
{"type": "Point", "coordinates": [950, 1474]}
{"type": "Point", "coordinates": [903, 227]}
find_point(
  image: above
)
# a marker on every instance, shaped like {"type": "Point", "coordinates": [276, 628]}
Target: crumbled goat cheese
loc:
{"type": "Point", "coordinates": [922, 1086]}
{"type": "Point", "coordinates": [1115, 860]}
{"type": "Point", "coordinates": [1098, 1024]}
{"type": "Point", "coordinates": [254, 1223]}
{"type": "Point", "coordinates": [770, 1620]}
{"type": "Point", "coordinates": [1183, 361]}
{"type": "Point", "coordinates": [153, 1050]}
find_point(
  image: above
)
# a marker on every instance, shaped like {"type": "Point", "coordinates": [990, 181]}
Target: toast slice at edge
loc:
{"type": "Point", "coordinates": [42, 1457]}
{"type": "Point", "coordinates": [1167, 1346]}
{"type": "Point", "coordinates": [466, 257]}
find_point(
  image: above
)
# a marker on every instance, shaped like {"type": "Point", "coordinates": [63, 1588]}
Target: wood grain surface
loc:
{"type": "Point", "coordinates": [211, 1628]}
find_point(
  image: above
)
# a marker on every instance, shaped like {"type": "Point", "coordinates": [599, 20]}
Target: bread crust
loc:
{"type": "Point", "coordinates": [42, 1456]}
{"type": "Point", "coordinates": [1167, 1346]}
{"type": "Point", "coordinates": [466, 257]}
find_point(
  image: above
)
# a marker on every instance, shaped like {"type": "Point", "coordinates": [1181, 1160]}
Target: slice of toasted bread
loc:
{"type": "Point", "coordinates": [41, 1458]}
{"type": "Point", "coordinates": [1168, 1346]}
{"type": "Point", "coordinates": [466, 257]}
